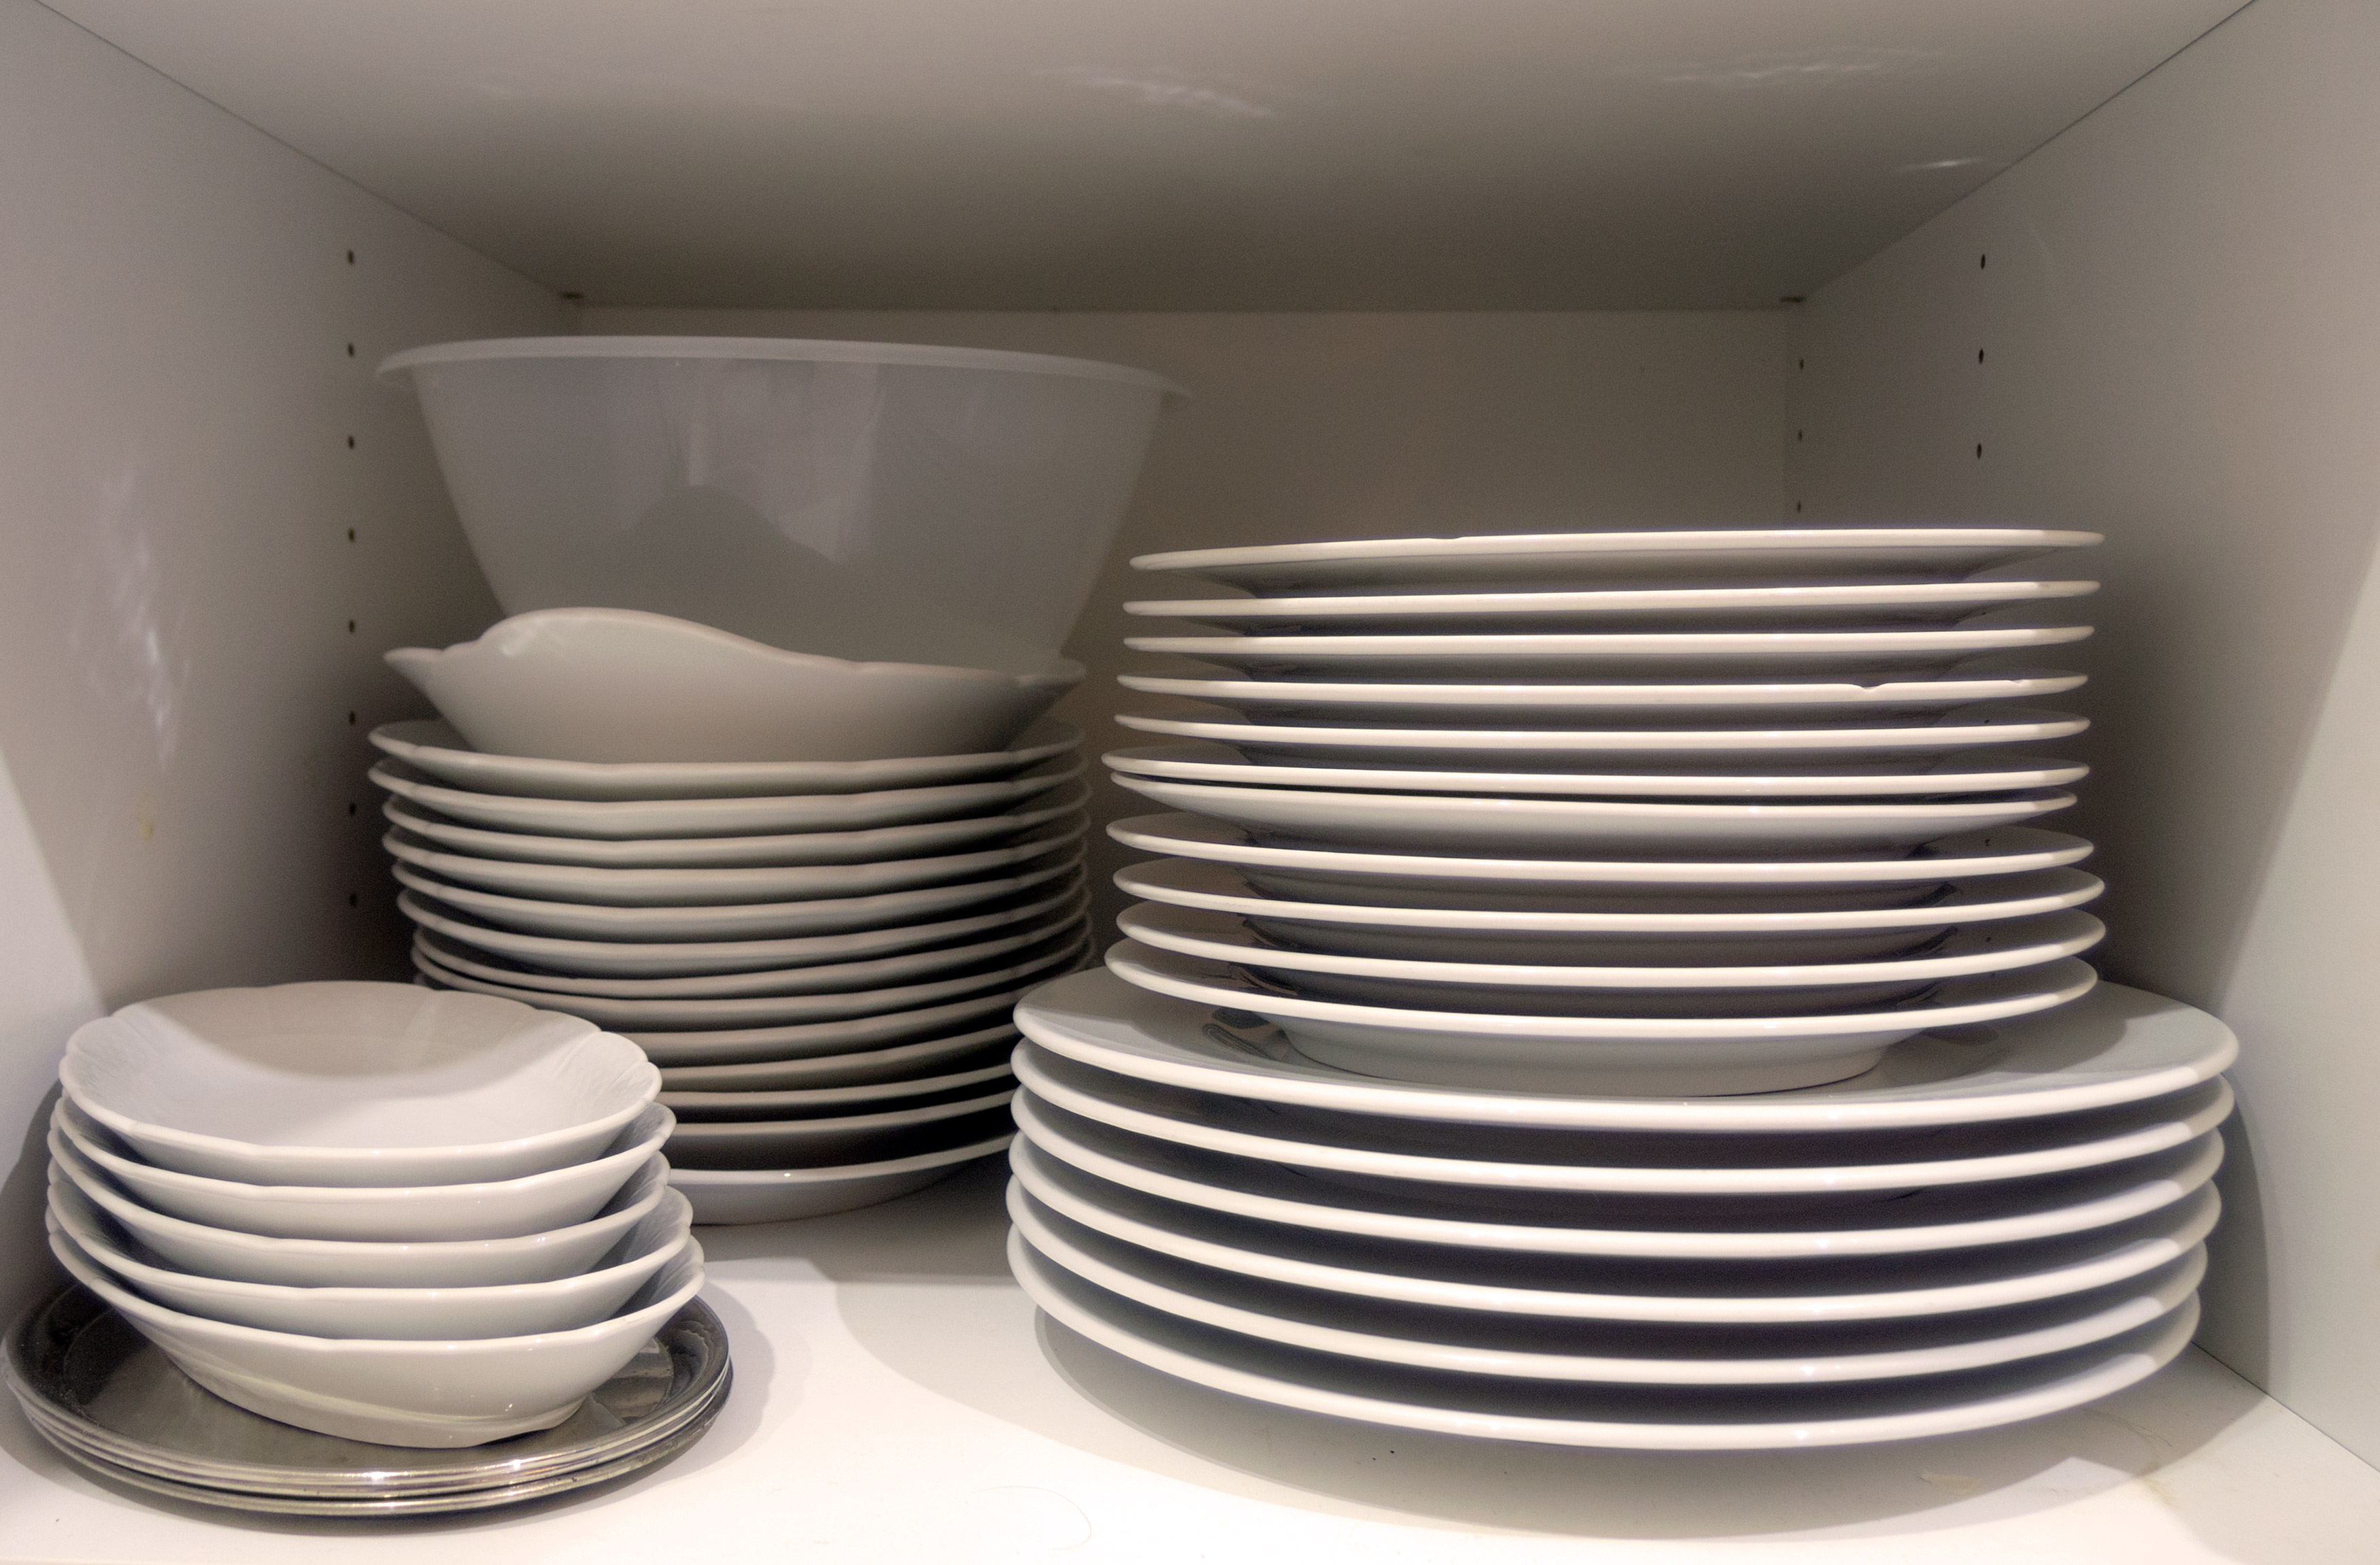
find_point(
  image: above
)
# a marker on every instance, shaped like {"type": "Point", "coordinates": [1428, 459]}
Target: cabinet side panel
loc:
{"type": "Point", "coordinates": [2162, 326]}
{"type": "Point", "coordinates": [212, 522]}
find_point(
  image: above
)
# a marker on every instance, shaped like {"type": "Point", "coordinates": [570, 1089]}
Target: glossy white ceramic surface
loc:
{"type": "Point", "coordinates": [1542, 561]}
{"type": "Point", "coordinates": [1874, 605]}
{"type": "Point", "coordinates": [813, 1040]}
{"type": "Point", "coordinates": [1559, 828]}
{"type": "Point", "coordinates": [1978, 772]}
{"type": "Point", "coordinates": [863, 1097]}
{"type": "Point", "coordinates": [404, 1313]}
{"type": "Point", "coordinates": [490, 1209]}
{"type": "Point", "coordinates": [354, 1083]}
{"type": "Point", "coordinates": [333, 1263]}
{"type": "Point", "coordinates": [621, 685]}
{"type": "Point", "coordinates": [895, 1065]}
{"type": "Point", "coordinates": [733, 1196]}
{"type": "Point", "coordinates": [433, 748]}
{"type": "Point", "coordinates": [828, 1140]}
{"type": "Point", "coordinates": [406, 1393]}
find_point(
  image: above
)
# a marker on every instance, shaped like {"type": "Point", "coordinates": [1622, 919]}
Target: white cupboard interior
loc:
{"type": "Point", "coordinates": [1427, 268]}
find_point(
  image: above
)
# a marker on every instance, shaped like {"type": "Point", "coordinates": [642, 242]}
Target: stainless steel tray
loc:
{"type": "Point", "coordinates": [95, 1389]}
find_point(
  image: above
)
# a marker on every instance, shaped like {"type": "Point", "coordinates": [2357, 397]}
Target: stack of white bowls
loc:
{"type": "Point", "coordinates": [371, 1210]}
{"type": "Point", "coordinates": [1509, 871]}
{"type": "Point", "coordinates": [822, 955]}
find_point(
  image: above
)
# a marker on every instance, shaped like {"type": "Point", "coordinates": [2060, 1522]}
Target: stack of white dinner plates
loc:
{"type": "Point", "coordinates": [1538, 1021]}
{"type": "Point", "coordinates": [821, 956]}
{"type": "Point", "coordinates": [374, 1212]}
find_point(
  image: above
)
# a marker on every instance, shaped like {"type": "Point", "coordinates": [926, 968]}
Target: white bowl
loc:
{"type": "Point", "coordinates": [490, 1209]}
{"type": "Point", "coordinates": [336, 1263]}
{"type": "Point", "coordinates": [355, 1083]}
{"type": "Point", "coordinates": [437, 1394]}
{"type": "Point", "coordinates": [785, 1194]}
{"type": "Point", "coordinates": [867, 499]}
{"type": "Point", "coordinates": [618, 685]}
{"type": "Point", "coordinates": [411, 1313]}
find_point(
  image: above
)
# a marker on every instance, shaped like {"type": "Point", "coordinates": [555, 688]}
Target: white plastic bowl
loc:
{"type": "Point", "coordinates": [868, 500]}
{"type": "Point", "coordinates": [410, 1313]}
{"type": "Point", "coordinates": [620, 685]}
{"type": "Point", "coordinates": [494, 1209]}
{"type": "Point", "coordinates": [355, 1083]}
{"type": "Point", "coordinates": [438, 1394]}
{"type": "Point", "coordinates": [347, 1262]}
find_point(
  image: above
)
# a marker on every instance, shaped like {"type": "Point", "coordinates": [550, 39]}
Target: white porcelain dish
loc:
{"type": "Point", "coordinates": [786, 1010]}
{"type": "Point", "coordinates": [623, 819]}
{"type": "Point", "coordinates": [1438, 881]}
{"type": "Point", "coordinates": [1746, 935]}
{"type": "Point", "coordinates": [487, 1209]}
{"type": "Point", "coordinates": [738, 1196]}
{"type": "Point", "coordinates": [415, 1313]}
{"type": "Point", "coordinates": [738, 921]}
{"type": "Point", "coordinates": [1859, 737]}
{"type": "Point", "coordinates": [620, 686]}
{"type": "Point", "coordinates": [819, 1040]}
{"type": "Point", "coordinates": [1648, 703]}
{"type": "Point", "coordinates": [824, 977]}
{"type": "Point", "coordinates": [1662, 1056]}
{"type": "Point", "coordinates": [1226, 938]}
{"type": "Point", "coordinates": [354, 1083]}
{"type": "Point", "coordinates": [1621, 1418]}
{"type": "Point", "coordinates": [1662, 1293]}
{"type": "Point", "coordinates": [806, 1102]}
{"type": "Point", "coordinates": [1604, 655]}
{"type": "Point", "coordinates": [813, 1143]}
{"type": "Point", "coordinates": [1014, 832]}
{"type": "Point", "coordinates": [2113, 1045]}
{"type": "Point", "coordinates": [441, 1394]}
{"type": "Point", "coordinates": [433, 748]}
{"type": "Point", "coordinates": [1874, 605]}
{"type": "Point", "coordinates": [1539, 561]}
{"type": "Point", "coordinates": [897, 1065]}
{"type": "Point", "coordinates": [629, 959]}
{"type": "Point", "coordinates": [1527, 1348]}
{"type": "Point", "coordinates": [1957, 1217]}
{"type": "Point", "coordinates": [208, 1251]}
{"type": "Point", "coordinates": [1560, 828]}
{"type": "Point", "coordinates": [1984, 772]}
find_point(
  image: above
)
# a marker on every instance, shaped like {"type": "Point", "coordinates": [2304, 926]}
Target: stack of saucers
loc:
{"type": "Point", "coordinates": [821, 956]}
{"type": "Point", "coordinates": [1535, 1026]}
{"type": "Point", "coordinates": [370, 1211]}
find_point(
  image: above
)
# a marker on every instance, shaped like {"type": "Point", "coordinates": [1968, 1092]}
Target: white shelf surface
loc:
{"type": "Point", "coordinates": [896, 1400]}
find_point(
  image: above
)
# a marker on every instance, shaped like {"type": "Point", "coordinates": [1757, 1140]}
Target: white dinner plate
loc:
{"type": "Point", "coordinates": [1614, 1417]}
{"type": "Point", "coordinates": [1671, 1293]}
{"type": "Point", "coordinates": [1869, 737]}
{"type": "Point", "coordinates": [620, 819]}
{"type": "Point", "coordinates": [900, 1062]}
{"type": "Point", "coordinates": [432, 747]}
{"type": "Point", "coordinates": [727, 1196]}
{"type": "Point", "coordinates": [1598, 559]}
{"type": "Point", "coordinates": [1744, 936]}
{"type": "Point", "coordinates": [819, 1102]}
{"type": "Point", "coordinates": [1686, 987]}
{"type": "Point", "coordinates": [2113, 1045]}
{"type": "Point", "coordinates": [1860, 607]}
{"type": "Point", "coordinates": [1622, 1056]}
{"type": "Point", "coordinates": [822, 978]}
{"type": "Point", "coordinates": [1594, 1352]}
{"type": "Point", "coordinates": [1455, 1156]}
{"type": "Point", "coordinates": [1605, 655]}
{"type": "Point", "coordinates": [1649, 703]}
{"type": "Point", "coordinates": [839, 1038]}
{"type": "Point", "coordinates": [739, 921]}
{"type": "Point", "coordinates": [1685, 1228]}
{"type": "Point", "coordinates": [1678, 885]}
{"type": "Point", "coordinates": [636, 1016]}
{"type": "Point", "coordinates": [932, 839]}
{"type": "Point", "coordinates": [1566, 828]}
{"type": "Point", "coordinates": [669, 959]}
{"type": "Point", "coordinates": [1982, 772]}
{"type": "Point", "coordinates": [840, 1139]}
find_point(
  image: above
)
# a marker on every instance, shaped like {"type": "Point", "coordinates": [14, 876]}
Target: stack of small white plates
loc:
{"type": "Point", "coordinates": [820, 956]}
